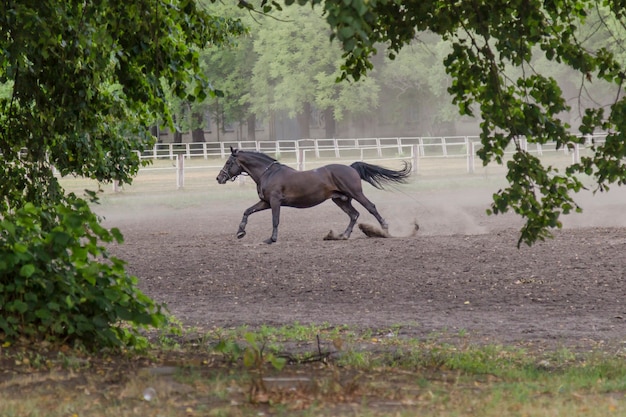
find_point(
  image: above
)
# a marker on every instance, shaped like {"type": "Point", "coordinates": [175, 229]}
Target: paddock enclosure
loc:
{"type": "Point", "coordinates": [461, 275]}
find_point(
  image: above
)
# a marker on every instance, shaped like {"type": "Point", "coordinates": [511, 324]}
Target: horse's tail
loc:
{"type": "Point", "coordinates": [378, 176]}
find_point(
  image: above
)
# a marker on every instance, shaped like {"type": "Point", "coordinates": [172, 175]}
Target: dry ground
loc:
{"type": "Point", "coordinates": [461, 274]}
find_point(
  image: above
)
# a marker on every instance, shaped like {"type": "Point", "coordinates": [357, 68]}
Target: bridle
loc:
{"type": "Point", "coordinates": [225, 170]}
{"type": "Point", "coordinates": [233, 160]}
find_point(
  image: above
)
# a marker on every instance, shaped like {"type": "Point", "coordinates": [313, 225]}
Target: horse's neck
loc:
{"type": "Point", "coordinates": [257, 166]}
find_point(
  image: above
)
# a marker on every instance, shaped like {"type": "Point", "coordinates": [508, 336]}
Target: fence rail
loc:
{"type": "Point", "coordinates": [420, 147]}
{"type": "Point", "coordinates": [424, 152]}
{"type": "Point", "coordinates": [222, 149]}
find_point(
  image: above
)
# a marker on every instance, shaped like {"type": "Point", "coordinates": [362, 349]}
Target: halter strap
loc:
{"type": "Point", "coordinates": [267, 169]}
{"type": "Point", "coordinates": [231, 177]}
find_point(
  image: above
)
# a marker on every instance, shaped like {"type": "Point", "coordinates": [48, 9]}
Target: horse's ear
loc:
{"type": "Point", "coordinates": [233, 151]}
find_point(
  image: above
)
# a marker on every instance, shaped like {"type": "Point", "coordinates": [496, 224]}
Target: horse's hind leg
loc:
{"type": "Point", "coordinates": [344, 202]}
{"type": "Point", "coordinates": [369, 206]}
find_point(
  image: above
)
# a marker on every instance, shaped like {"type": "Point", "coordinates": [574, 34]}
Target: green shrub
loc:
{"type": "Point", "coordinates": [57, 280]}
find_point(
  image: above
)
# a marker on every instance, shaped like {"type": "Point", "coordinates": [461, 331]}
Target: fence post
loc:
{"type": "Point", "coordinates": [470, 156]}
{"type": "Point", "coordinates": [415, 150]}
{"type": "Point", "coordinates": [300, 159]}
{"type": "Point", "coordinates": [180, 171]}
{"type": "Point", "coordinates": [523, 142]}
{"type": "Point", "coordinates": [576, 154]}
{"type": "Point", "coordinates": [297, 148]}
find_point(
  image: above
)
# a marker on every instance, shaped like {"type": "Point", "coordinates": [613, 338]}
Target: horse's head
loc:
{"type": "Point", "coordinates": [231, 168]}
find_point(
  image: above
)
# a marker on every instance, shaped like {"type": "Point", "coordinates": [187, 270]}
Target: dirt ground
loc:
{"type": "Point", "coordinates": [460, 275]}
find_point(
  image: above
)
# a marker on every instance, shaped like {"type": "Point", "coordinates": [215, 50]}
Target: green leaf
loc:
{"type": "Point", "coordinates": [251, 339]}
{"type": "Point", "coordinates": [251, 358]}
{"type": "Point", "coordinates": [18, 305]}
{"type": "Point", "coordinates": [61, 239]}
{"type": "Point", "coordinates": [53, 306]}
{"type": "Point", "coordinates": [278, 363]}
{"type": "Point", "coordinates": [27, 270]}
{"type": "Point", "coordinates": [20, 248]}
{"type": "Point", "coordinates": [69, 302]}
{"type": "Point", "coordinates": [43, 314]}
{"type": "Point", "coordinates": [112, 294]}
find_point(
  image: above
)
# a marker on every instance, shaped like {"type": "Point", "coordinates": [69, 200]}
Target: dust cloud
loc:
{"type": "Point", "coordinates": [445, 212]}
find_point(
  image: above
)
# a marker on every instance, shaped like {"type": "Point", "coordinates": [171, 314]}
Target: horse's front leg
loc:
{"type": "Point", "coordinates": [260, 206]}
{"type": "Point", "coordinates": [275, 221]}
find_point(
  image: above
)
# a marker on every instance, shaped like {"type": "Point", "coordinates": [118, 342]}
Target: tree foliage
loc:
{"type": "Point", "coordinates": [487, 38]}
{"type": "Point", "coordinates": [81, 82]}
{"type": "Point", "coordinates": [297, 66]}
{"type": "Point", "coordinates": [416, 77]}
{"type": "Point", "coordinates": [229, 68]}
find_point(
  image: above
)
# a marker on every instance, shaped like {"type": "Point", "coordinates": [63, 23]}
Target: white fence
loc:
{"type": "Point", "coordinates": [321, 151]}
{"type": "Point", "coordinates": [413, 147]}
{"type": "Point", "coordinates": [440, 145]}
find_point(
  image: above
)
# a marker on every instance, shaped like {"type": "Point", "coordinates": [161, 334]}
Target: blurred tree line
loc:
{"type": "Point", "coordinates": [285, 66]}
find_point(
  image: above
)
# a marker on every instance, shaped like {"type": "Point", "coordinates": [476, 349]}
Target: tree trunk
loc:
{"type": "Point", "coordinates": [304, 122]}
{"type": "Point", "coordinates": [156, 132]}
{"type": "Point", "coordinates": [330, 123]}
{"type": "Point", "coordinates": [178, 135]}
{"type": "Point", "coordinates": [272, 132]}
{"type": "Point", "coordinates": [197, 133]}
{"type": "Point", "coordinates": [251, 122]}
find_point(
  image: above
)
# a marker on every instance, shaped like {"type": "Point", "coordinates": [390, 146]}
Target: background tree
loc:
{"type": "Point", "coordinates": [85, 81]}
{"type": "Point", "coordinates": [297, 68]}
{"type": "Point", "coordinates": [230, 70]}
{"type": "Point", "coordinates": [416, 79]}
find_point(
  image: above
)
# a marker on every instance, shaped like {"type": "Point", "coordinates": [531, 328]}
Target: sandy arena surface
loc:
{"type": "Point", "coordinates": [461, 274]}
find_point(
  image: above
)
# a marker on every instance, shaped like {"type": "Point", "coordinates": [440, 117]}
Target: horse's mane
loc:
{"type": "Point", "coordinates": [261, 154]}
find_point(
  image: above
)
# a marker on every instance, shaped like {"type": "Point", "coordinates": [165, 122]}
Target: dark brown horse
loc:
{"type": "Point", "coordinates": [280, 185]}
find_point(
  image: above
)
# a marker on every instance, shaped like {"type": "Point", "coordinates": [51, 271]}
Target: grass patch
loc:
{"type": "Point", "coordinates": [326, 370]}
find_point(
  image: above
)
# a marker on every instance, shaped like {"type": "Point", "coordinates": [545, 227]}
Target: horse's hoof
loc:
{"type": "Point", "coordinates": [240, 234]}
{"type": "Point", "coordinates": [269, 241]}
